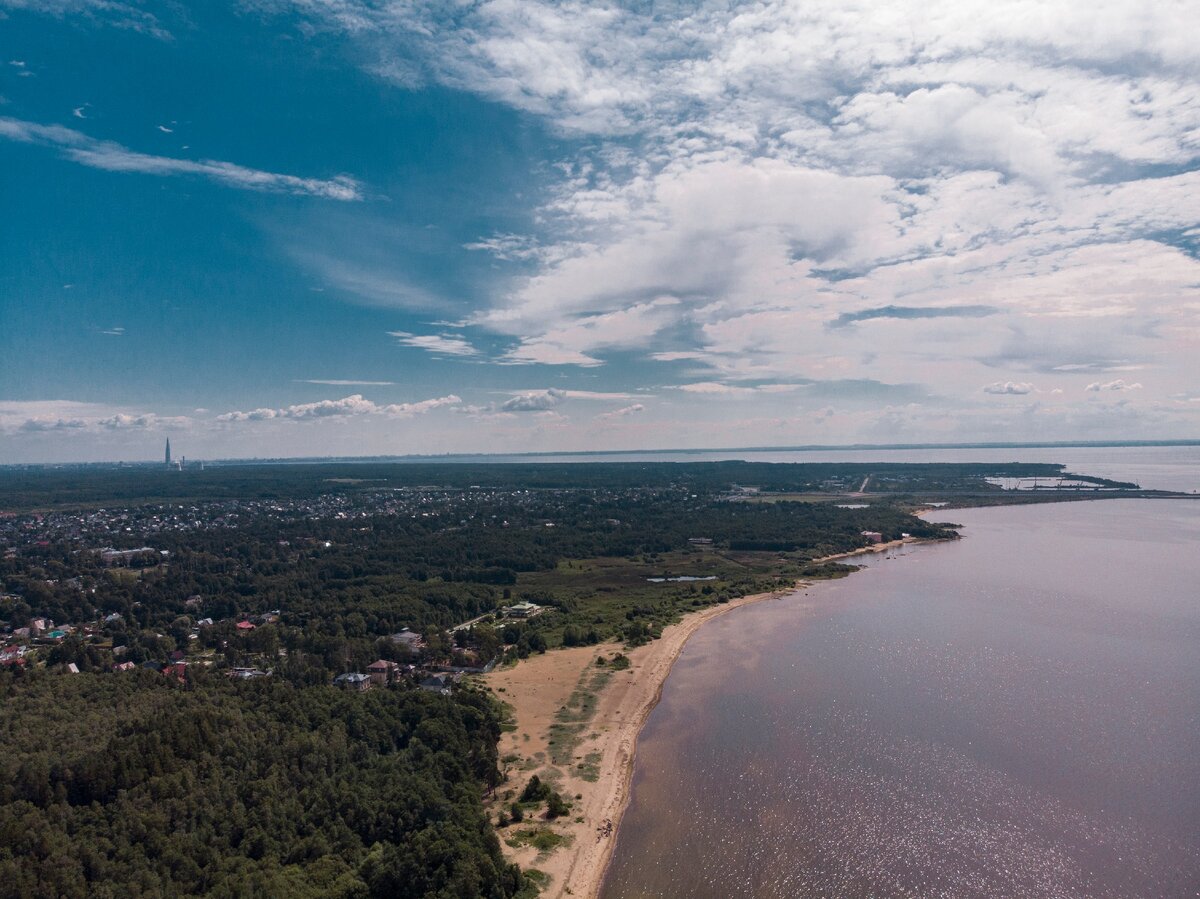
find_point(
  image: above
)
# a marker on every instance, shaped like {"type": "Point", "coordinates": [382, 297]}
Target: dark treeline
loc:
{"type": "Point", "coordinates": [22, 488]}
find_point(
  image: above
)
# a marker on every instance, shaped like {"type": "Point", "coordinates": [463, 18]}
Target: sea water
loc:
{"type": "Point", "coordinates": [1016, 713]}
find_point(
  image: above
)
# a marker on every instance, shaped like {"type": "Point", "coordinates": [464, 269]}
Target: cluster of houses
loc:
{"type": "Point", "coordinates": [435, 679]}
{"type": "Point", "coordinates": [21, 641]}
{"type": "Point", "coordinates": [383, 673]}
{"type": "Point", "coordinates": [13, 655]}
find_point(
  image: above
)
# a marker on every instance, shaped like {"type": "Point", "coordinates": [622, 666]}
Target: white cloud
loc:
{"type": "Point", "coordinates": [438, 344]}
{"type": "Point", "coordinates": [353, 405]}
{"type": "Point", "coordinates": [534, 402]}
{"type": "Point", "coordinates": [623, 412]}
{"type": "Point", "coordinates": [1010, 388]}
{"type": "Point", "coordinates": [34, 417]}
{"type": "Point", "coordinates": [719, 388]}
{"type": "Point", "coordinates": [145, 422]}
{"type": "Point", "coordinates": [510, 247]}
{"type": "Point", "coordinates": [772, 167]}
{"type": "Point", "coordinates": [113, 157]}
{"type": "Point", "coordinates": [112, 12]}
{"type": "Point", "coordinates": [572, 341]}
{"type": "Point", "coordinates": [1117, 385]}
{"type": "Point", "coordinates": [53, 424]}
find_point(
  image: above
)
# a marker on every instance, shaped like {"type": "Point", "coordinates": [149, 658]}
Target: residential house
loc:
{"type": "Point", "coordinates": [246, 673]}
{"type": "Point", "coordinates": [438, 683]}
{"type": "Point", "coordinates": [354, 681]}
{"type": "Point", "coordinates": [383, 672]}
{"type": "Point", "coordinates": [409, 640]}
{"type": "Point", "coordinates": [178, 670]}
{"type": "Point", "coordinates": [13, 655]}
{"type": "Point", "coordinates": [523, 610]}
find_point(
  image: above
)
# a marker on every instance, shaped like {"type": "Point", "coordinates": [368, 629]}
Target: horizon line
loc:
{"type": "Point", "coordinates": [449, 457]}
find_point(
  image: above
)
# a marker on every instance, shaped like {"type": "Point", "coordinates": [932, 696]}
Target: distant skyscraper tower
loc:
{"type": "Point", "coordinates": [168, 459]}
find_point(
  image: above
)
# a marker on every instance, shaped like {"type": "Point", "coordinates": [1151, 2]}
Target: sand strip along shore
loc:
{"type": "Point", "coordinates": [594, 769]}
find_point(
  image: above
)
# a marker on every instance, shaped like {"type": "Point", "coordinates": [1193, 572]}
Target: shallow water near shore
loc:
{"type": "Point", "coordinates": [1015, 713]}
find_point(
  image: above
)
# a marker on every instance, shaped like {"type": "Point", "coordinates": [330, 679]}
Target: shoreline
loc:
{"type": "Point", "coordinates": [578, 867]}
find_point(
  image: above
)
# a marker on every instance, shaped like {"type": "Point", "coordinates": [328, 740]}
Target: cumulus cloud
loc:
{"type": "Point", "coordinates": [113, 157]}
{"type": "Point", "coordinates": [623, 412]}
{"type": "Point", "coordinates": [1117, 385]}
{"type": "Point", "coordinates": [66, 416]}
{"type": "Point", "coordinates": [979, 181]}
{"type": "Point", "coordinates": [1009, 388]}
{"type": "Point", "coordinates": [353, 405]}
{"type": "Point", "coordinates": [145, 422]}
{"type": "Point", "coordinates": [534, 402]}
{"type": "Point", "coordinates": [573, 341]}
{"type": "Point", "coordinates": [52, 424]}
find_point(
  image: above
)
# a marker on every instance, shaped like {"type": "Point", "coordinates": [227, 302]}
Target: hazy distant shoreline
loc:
{"type": "Point", "coordinates": [689, 451]}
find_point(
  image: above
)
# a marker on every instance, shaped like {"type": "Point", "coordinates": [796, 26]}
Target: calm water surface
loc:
{"type": "Point", "coordinates": [1013, 714]}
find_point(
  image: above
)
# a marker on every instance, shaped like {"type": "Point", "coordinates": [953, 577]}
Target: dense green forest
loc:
{"type": "Point", "coordinates": [138, 787]}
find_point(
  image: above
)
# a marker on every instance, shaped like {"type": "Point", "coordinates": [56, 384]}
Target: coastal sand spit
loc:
{"type": "Point", "coordinates": [538, 688]}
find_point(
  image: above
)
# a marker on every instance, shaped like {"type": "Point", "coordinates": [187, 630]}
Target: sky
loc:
{"type": "Point", "coordinates": [360, 227]}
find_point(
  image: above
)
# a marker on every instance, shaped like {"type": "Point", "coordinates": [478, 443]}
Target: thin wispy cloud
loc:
{"type": "Point", "coordinates": [335, 382]}
{"type": "Point", "coordinates": [437, 344]}
{"type": "Point", "coordinates": [113, 157]}
{"type": "Point", "coordinates": [115, 13]}
{"type": "Point", "coordinates": [911, 313]}
{"type": "Point", "coordinates": [623, 412]}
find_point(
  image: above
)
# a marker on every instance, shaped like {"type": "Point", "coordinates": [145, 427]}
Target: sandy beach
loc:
{"type": "Point", "coordinates": [596, 772]}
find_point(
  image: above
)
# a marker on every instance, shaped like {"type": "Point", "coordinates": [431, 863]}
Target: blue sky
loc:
{"type": "Point", "coordinates": [338, 226]}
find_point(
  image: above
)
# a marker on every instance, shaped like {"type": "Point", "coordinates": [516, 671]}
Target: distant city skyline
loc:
{"type": "Point", "coordinates": [299, 229]}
